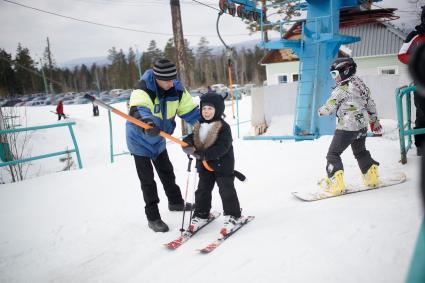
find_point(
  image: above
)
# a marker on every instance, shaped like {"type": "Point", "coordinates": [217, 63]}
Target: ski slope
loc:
{"type": "Point", "coordinates": [89, 225]}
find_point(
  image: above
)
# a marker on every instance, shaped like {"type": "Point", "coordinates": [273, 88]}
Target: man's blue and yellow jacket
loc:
{"type": "Point", "coordinates": [149, 101]}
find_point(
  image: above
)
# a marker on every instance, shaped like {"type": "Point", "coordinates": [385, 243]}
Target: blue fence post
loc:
{"type": "Point", "coordinates": [111, 141]}
{"type": "Point", "coordinates": [237, 108]}
{"type": "Point", "coordinates": [77, 151]}
{"type": "Point", "coordinates": [417, 270]}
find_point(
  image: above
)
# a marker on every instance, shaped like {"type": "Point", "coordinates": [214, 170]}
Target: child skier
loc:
{"type": "Point", "coordinates": [354, 108]}
{"type": "Point", "coordinates": [211, 142]}
{"type": "Point", "coordinates": [59, 110]}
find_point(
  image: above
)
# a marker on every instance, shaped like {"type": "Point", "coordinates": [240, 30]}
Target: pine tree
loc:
{"type": "Point", "coordinates": [49, 65]}
{"type": "Point", "coordinates": [154, 52]}
{"type": "Point", "coordinates": [203, 68]}
{"type": "Point", "coordinates": [170, 50]}
{"type": "Point", "coordinates": [191, 62]}
{"type": "Point", "coordinates": [24, 71]}
{"type": "Point", "coordinates": [132, 68]}
{"type": "Point", "coordinates": [7, 75]}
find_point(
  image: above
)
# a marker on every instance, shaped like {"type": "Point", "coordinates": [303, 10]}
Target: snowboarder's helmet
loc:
{"type": "Point", "coordinates": [344, 67]}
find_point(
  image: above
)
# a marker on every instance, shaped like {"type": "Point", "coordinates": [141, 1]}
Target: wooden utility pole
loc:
{"type": "Point", "coordinates": [179, 42]}
{"type": "Point", "coordinates": [184, 77]}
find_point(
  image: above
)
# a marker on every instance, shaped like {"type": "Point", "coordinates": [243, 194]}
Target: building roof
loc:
{"type": "Point", "coordinates": [377, 39]}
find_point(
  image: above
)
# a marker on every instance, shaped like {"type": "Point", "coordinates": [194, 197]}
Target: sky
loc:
{"type": "Point", "coordinates": [70, 39]}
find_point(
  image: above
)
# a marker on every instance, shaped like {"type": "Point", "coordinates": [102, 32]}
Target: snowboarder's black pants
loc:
{"type": "Point", "coordinates": [227, 191]}
{"type": "Point", "coordinates": [420, 118]}
{"type": "Point", "coordinates": [60, 116]}
{"type": "Point", "coordinates": [164, 168]}
{"type": "Point", "coordinates": [341, 140]}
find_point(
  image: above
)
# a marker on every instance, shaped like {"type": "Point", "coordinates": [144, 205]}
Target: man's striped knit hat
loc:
{"type": "Point", "coordinates": [164, 70]}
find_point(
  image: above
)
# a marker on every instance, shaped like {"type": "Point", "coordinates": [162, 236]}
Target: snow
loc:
{"type": "Point", "coordinates": [89, 225]}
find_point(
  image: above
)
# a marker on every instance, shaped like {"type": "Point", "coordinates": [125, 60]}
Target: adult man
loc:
{"type": "Point", "coordinates": [157, 99]}
{"type": "Point", "coordinates": [413, 40]}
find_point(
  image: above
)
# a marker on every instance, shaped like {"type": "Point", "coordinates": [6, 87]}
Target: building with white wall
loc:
{"type": "Point", "coordinates": [375, 54]}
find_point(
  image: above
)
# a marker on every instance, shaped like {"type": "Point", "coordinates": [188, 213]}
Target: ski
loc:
{"type": "Point", "coordinates": [186, 235]}
{"type": "Point", "coordinates": [209, 248]}
{"type": "Point", "coordinates": [66, 115]}
{"type": "Point", "coordinates": [386, 181]}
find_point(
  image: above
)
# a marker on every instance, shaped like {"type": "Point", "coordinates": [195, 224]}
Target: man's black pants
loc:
{"type": "Point", "coordinates": [164, 168]}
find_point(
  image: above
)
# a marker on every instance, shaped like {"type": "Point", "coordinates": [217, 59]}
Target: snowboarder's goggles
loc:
{"type": "Point", "coordinates": [334, 74]}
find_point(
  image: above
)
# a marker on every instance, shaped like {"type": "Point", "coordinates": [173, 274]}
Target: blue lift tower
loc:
{"type": "Point", "coordinates": [317, 48]}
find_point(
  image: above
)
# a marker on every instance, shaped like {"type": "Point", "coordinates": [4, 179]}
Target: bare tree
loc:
{"type": "Point", "coordinates": [13, 144]}
{"type": "Point", "coordinates": [69, 162]}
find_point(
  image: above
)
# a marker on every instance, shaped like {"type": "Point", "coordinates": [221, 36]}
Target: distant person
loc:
{"type": "Point", "coordinates": [156, 100]}
{"type": "Point", "coordinates": [211, 142]}
{"type": "Point", "coordinates": [350, 100]}
{"type": "Point", "coordinates": [59, 110]}
{"type": "Point", "coordinates": [414, 38]}
{"type": "Point", "coordinates": [95, 110]}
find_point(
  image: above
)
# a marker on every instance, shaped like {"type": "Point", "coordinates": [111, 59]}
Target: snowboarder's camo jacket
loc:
{"type": "Point", "coordinates": [150, 102]}
{"type": "Point", "coordinates": [351, 102]}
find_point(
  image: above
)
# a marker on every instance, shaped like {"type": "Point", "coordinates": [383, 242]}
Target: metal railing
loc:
{"type": "Point", "coordinates": [35, 128]}
{"type": "Point", "coordinates": [405, 127]}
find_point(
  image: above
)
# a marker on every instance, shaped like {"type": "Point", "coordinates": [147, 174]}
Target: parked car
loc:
{"type": "Point", "coordinates": [11, 102]}
{"type": "Point", "coordinates": [34, 103]}
{"type": "Point", "coordinates": [219, 88]}
{"type": "Point", "coordinates": [241, 90]}
{"type": "Point", "coordinates": [115, 92]}
{"type": "Point", "coordinates": [249, 88]}
{"type": "Point", "coordinates": [68, 102]}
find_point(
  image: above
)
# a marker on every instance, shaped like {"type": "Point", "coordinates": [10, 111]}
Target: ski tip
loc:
{"type": "Point", "coordinates": [249, 218]}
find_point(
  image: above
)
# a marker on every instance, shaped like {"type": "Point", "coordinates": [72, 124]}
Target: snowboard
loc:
{"type": "Point", "coordinates": [384, 181]}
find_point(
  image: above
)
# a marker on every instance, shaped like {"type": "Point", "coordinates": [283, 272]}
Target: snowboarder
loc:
{"type": "Point", "coordinates": [59, 110]}
{"type": "Point", "coordinates": [211, 142]}
{"type": "Point", "coordinates": [156, 100]}
{"type": "Point", "coordinates": [415, 38]}
{"type": "Point", "coordinates": [354, 108]}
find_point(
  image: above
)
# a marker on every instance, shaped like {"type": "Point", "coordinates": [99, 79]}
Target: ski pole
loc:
{"type": "Point", "coordinates": [193, 196]}
{"type": "Point", "coordinates": [132, 119]}
{"type": "Point", "coordinates": [140, 123]}
{"type": "Point", "coordinates": [187, 188]}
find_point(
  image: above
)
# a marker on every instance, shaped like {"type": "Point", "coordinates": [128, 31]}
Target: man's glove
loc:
{"type": "Point", "coordinates": [154, 131]}
{"type": "Point", "coordinates": [376, 127]}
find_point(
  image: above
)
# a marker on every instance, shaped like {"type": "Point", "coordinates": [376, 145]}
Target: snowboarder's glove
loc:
{"type": "Point", "coordinates": [154, 131]}
{"type": "Point", "coordinates": [322, 111]}
{"type": "Point", "coordinates": [376, 127]}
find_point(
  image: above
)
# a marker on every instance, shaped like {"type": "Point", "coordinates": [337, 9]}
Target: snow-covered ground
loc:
{"type": "Point", "coordinates": [89, 226]}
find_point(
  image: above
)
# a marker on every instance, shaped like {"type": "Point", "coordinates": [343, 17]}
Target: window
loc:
{"type": "Point", "coordinates": [295, 77]}
{"type": "Point", "coordinates": [389, 70]}
{"type": "Point", "coordinates": [282, 79]}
